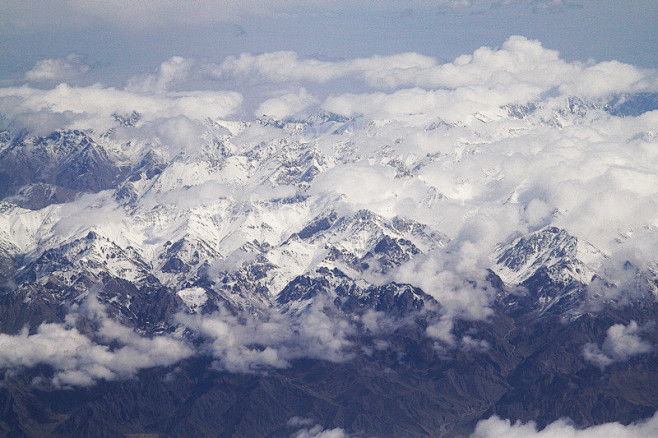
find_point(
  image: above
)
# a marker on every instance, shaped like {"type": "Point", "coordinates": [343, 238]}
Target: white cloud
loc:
{"type": "Point", "coordinates": [387, 71]}
{"type": "Point", "coordinates": [174, 70]}
{"type": "Point", "coordinates": [455, 274]}
{"type": "Point", "coordinates": [518, 71]}
{"type": "Point", "coordinates": [456, 281]}
{"type": "Point", "coordinates": [94, 106]}
{"type": "Point", "coordinates": [273, 340]}
{"type": "Point", "coordinates": [419, 88]}
{"type": "Point", "coordinates": [621, 343]}
{"type": "Point", "coordinates": [277, 67]}
{"type": "Point", "coordinates": [608, 78]}
{"type": "Point", "coordinates": [68, 68]}
{"type": "Point", "coordinates": [286, 106]}
{"type": "Point", "coordinates": [318, 431]}
{"type": "Point", "coordinates": [470, 343]}
{"type": "Point", "coordinates": [496, 427]}
{"type": "Point", "coordinates": [299, 421]}
{"type": "Point", "coordinates": [308, 430]}
{"type": "Point", "coordinates": [78, 360]}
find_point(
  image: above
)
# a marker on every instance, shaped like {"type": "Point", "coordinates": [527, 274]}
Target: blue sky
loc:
{"type": "Point", "coordinates": [118, 39]}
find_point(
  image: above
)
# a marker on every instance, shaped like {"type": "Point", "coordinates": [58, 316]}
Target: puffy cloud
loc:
{"type": "Point", "coordinates": [366, 186]}
{"type": "Point", "coordinates": [80, 361]}
{"type": "Point", "coordinates": [68, 68]}
{"type": "Point", "coordinates": [621, 343]}
{"type": "Point", "coordinates": [519, 61]}
{"type": "Point", "coordinates": [248, 344]}
{"type": "Point", "coordinates": [418, 87]}
{"type": "Point", "coordinates": [479, 84]}
{"type": "Point", "coordinates": [318, 431]}
{"type": "Point", "coordinates": [518, 71]}
{"type": "Point", "coordinates": [308, 430]}
{"type": "Point", "coordinates": [175, 69]}
{"type": "Point", "coordinates": [496, 427]}
{"type": "Point", "coordinates": [456, 281]}
{"type": "Point", "coordinates": [286, 106]}
{"type": "Point", "coordinates": [470, 343]}
{"type": "Point", "coordinates": [608, 78]}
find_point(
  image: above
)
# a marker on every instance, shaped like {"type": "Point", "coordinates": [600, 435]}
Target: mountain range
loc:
{"type": "Point", "coordinates": [260, 277]}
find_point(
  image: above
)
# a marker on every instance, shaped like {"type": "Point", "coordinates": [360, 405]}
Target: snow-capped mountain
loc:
{"type": "Point", "coordinates": [562, 257]}
{"type": "Point", "coordinates": [314, 247]}
{"type": "Point", "coordinates": [553, 266]}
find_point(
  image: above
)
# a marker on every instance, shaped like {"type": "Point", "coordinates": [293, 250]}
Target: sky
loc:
{"type": "Point", "coordinates": [118, 38]}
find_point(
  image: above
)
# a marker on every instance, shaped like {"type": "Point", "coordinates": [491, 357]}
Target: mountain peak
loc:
{"type": "Point", "coordinates": [565, 257]}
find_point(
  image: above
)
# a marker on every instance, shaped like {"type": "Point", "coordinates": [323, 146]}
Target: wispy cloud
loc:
{"type": "Point", "coordinates": [251, 344]}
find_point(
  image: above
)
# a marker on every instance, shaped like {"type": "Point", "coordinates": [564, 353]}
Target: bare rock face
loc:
{"type": "Point", "coordinates": [39, 171]}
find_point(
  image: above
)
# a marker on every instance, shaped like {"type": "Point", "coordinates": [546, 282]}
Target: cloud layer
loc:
{"type": "Point", "coordinates": [495, 144]}
{"type": "Point", "coordinates": [519, 71]}
{"type": "Point", "coordinates": [495, 427]}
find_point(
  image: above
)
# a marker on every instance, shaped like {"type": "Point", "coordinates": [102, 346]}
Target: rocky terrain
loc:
{"type": "Point", "coordinates": [279, 269]}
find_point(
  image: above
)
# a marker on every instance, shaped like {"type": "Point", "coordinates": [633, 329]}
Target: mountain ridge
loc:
{"type": "Point", "coordinates": [311, 268]}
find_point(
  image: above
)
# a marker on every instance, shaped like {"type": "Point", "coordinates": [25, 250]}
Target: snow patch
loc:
{"type": "Point", "coordinates": [193, 297]}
